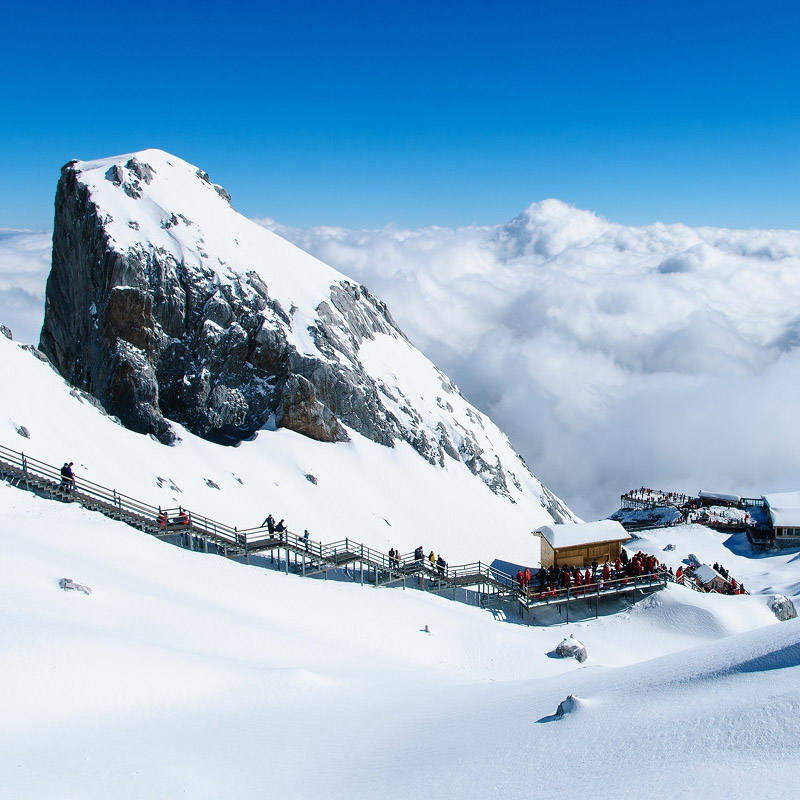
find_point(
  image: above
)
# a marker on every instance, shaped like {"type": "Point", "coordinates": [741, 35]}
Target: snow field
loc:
{"type": "Point", "coordinates": [382, 497]}
{"type": "Point", "coordinates": [186, 674]}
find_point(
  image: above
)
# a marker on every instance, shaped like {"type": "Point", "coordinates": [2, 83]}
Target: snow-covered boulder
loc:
{"type": "Point", "coordinates": [568, 705]}
{"type": "Point", "coordinates": [782, 607]}
{"type": "Point", "coordinates": [69, 585]}
{"type": "Point", "coordinates": [572, 648]}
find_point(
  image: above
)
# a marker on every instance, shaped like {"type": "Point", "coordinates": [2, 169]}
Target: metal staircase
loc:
{"type": "Point", "coordinates": [304, 557]}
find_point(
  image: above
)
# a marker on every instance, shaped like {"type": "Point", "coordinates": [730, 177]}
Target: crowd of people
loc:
{"type": "Point", "coordinates": [731, 584]}
{"type": "Point", "coordinates": [434, 562]}
{"type": "Point", "coordinates": [550, 580]}
{"type": "Point", "coordinates": [657, 497]}
{"type": "Point", "coordinates": [719, 516]}
{"type": "Point", "coordinates": [546, 582]}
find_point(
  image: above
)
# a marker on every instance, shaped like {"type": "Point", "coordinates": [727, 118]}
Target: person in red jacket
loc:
{"type": "Point", "coordinates": [606, 572]}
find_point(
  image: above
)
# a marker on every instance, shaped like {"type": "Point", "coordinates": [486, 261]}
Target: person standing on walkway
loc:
{"type": "Point", "coordinates": [68, 478]}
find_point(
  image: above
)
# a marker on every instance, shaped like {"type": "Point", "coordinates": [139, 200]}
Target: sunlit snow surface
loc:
{"type": "Point", "coordinates": [186, 675]}
{"type": "Point", "coordinates": [183, 674]}
{"type": "Point", "coordinates": [383, 497]}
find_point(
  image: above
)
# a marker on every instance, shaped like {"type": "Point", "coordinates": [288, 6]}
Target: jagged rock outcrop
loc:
{"type": "Point", "coordinates": [167, 305]}
{"type": "Point", "coordinates": [783, 608]}
{"type": "Point", "coordinates": [572, 648]}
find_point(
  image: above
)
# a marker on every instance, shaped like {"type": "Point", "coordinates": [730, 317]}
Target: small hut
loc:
{"type": "Point", "coordinates": [718, 499]}
{"type": "Point", "coordinates": [784, 515]}
{"type": "Point", "coordinates": [709, 578]}
{"type": "Point", "coordinates": [578, 544]}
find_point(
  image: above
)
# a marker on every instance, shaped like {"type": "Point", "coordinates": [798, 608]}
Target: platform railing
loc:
{"type": "Point", "coordinates": [179, 519]}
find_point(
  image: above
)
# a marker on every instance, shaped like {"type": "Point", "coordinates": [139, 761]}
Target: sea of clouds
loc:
{"type": "Point", "coordinates": [24, 264]}
{"type": "Point", "coordinates": [613, 356]}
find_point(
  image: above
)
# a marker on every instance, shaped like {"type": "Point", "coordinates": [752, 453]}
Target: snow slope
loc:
{"type": "Point", "coordinates": [187, 675]}
{"type": "Point", "coordinates": [184, 674]}
{"type": "Point", "coordinates": [242, 325]}
{"type": "Point", "coordinates": [618, 337]}
{"type": "Point", "coordinates": [383, 497]}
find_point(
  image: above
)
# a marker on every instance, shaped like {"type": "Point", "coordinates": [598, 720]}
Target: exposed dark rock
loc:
{"type": "Point", "coordinates": [783, 608]}
{"type": "Point", "coordinates": [36, 353]}
{"type": "Point", "coordinates": [572, 648]}
{"type": "Point", "coordinates": [6, 332]}
{"type": "Point", "coordinates": [300, 410]}
{"type": "Point", "coordinates": [222, 193]}
{"type": "Point", "coordinates": [157, 337]}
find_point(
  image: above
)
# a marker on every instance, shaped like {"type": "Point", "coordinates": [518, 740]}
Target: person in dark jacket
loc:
{"type": "Point", "coordinates": [67, 477]}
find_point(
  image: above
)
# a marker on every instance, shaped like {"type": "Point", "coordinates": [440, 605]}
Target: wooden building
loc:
{"type": "Point", "coordinates": [578, 544]}
{"type": "Point", "coordinates": [709, 578]}
{"type": "Point", "coordinates": [783, 509]}
{"type": "Point", "coordinates": [719, 499]}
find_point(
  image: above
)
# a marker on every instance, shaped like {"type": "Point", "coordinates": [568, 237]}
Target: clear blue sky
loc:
{"type": "Point", "coordinates": [423, 112]}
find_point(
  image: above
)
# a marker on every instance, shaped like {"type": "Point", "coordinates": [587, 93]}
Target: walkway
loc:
{"type": "Point", "coordinates": [306, 558]}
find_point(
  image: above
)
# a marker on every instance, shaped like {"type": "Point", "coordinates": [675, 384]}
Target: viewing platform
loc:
{"type": "Point", "coordinates": [484, 584]}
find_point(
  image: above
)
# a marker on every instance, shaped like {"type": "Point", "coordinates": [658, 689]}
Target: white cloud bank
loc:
{"type": "Point", "coordinates": [24, 264]}
{"type": "Point", "coordinates": [612, 356]}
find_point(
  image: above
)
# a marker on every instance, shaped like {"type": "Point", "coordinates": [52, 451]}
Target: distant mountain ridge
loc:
{"type": "Point", "coordinates": [166, 304]}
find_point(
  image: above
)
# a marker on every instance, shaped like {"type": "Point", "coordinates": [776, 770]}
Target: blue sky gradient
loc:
{"type": "Point", "coordinates": [420, 113]}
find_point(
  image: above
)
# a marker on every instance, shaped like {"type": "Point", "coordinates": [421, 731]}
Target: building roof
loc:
{"type": "Point", "coordinates": [728, 498]}
{"type": "Point", "coordinates": [784, 508]}
{"type": "Point", "coordinates": [706, 574]}
{"type": "Point", "coordinates": [578, 533]}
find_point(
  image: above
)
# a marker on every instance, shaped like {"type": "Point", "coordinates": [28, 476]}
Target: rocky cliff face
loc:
{"type": "Point", "coordinates": [166, 304]}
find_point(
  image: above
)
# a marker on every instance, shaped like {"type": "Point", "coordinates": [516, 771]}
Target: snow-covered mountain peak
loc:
{"type": "Point", "coordinates": [167, 304]}
{"type": "Point", "coordinates": [156, 200]}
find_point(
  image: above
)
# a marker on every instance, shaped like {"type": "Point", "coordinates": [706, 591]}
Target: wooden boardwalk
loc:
{"type": "Point", "coordinates": [304, 557]}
